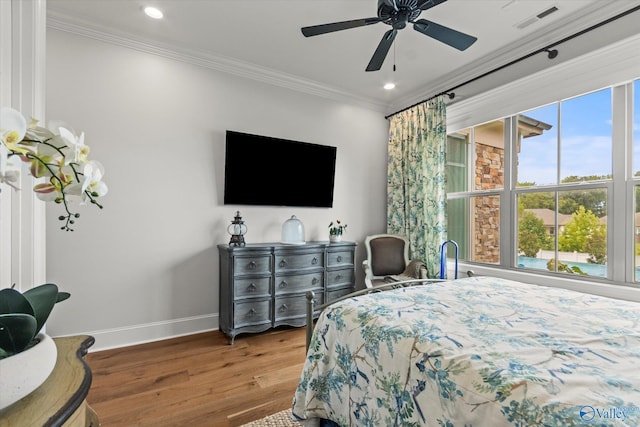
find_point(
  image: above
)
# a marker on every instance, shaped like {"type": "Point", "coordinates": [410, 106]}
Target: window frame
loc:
{"type": "Point", "coordinates": [620, 193]}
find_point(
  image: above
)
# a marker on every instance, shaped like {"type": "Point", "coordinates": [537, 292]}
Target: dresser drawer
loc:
{"type": "Point", "coordinates": [339, 258]}
{"type": "Point", "coordinates": [294, 305]}
{"type": "Point", "coordinates": [340, 277]}
{"type": "Point", "coordinates": [298, 282]}
{"type": "Point", "coordinates": [286, 262]}
{"type": "Point", "coordinates": [252, 313]}
{"type": "Point", "coordinates": [252, 287]}
{"type": "Point", "coordinates": [252, 264]}
{"type": "Point", "coordinates": [337, 293]}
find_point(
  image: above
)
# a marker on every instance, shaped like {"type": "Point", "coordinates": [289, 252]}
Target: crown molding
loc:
{"type": "Point", "coordinates": [60, 22]}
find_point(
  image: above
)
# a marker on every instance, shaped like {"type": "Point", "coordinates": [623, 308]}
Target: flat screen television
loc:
{"type": "Point", "coordinates": [261, 170]}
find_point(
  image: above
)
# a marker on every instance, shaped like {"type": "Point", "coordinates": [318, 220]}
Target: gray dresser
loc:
{"type": "Point", "coordinates": [263, 285]}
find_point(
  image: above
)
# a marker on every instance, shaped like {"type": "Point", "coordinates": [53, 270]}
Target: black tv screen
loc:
{"type": "Point", "coordinates": [261, 170]}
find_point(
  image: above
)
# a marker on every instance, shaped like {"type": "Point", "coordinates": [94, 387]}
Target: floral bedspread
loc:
{"type": "Point", "coordinates": [478, 351]}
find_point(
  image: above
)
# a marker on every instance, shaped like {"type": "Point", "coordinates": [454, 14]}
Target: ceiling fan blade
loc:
{"type": "Point", "coordinates": [428, 4]}
{"type": "Point", "coordinates": [381, 51]}
{"type": "Point", "coordinates": [316, 30]}
{"type": "Point", "coordinates": [446, 35]}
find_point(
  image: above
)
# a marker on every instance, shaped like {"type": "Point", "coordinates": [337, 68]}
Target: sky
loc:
{"type": "Point", "coordinates": [585, 135]}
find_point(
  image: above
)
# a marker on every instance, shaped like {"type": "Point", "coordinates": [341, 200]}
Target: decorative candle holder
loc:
{"type": "Point", "coordinates": [237, 229]}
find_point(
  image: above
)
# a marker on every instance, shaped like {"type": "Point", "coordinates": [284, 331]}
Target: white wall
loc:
{"type": "Point", "coordinates": [146, 266]}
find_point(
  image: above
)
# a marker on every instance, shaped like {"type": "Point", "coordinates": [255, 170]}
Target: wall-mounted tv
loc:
{"type": "Point", "coordinates": [261, 170]}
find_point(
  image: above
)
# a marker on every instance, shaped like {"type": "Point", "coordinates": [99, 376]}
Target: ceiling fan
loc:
{"type": "Point", "coordinates": [397, 14]}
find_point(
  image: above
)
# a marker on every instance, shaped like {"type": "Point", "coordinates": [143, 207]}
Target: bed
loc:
{"type": "Point", "coordinates": [477, 351]}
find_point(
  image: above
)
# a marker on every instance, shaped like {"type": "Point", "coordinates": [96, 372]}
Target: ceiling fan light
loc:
{"type": "Point", "coordinates": [153, 12]}
{"type": "Point", "coordinates": [389, 86]}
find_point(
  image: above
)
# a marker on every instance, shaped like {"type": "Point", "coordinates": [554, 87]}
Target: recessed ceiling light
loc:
{"type": "Point", "coordinates": [153, 12]}
{"type": "Point", "coordinates": [389, 86]}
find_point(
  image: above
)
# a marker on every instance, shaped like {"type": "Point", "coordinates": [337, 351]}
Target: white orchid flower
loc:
{"type": "Point", "coordinates": [90, 181]}
{"type": "Point", "coordinates": [9, 172]}
{"type": "Point", "coordinates": [80, 150]}
{"type": "Point", "coordinates": [13, 127]}
{"type": "Point", "coordinates": [93, 173]}
{"type": "Point", "coordinates": [54, 154]}
{"type": "Point", "coordinates": [47, 192]}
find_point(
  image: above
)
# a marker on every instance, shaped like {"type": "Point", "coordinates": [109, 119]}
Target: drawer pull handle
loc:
{"type": "Point", "coordinates": [252, 312]}
{"type": "Point", "coordinates": [283, 284]}
{"type": "Point", "coordinates": [314, 281]}
{"type": "Point", "coordinates": [283, 263]}
{"type": "Point", "coordinates": [252, 287]}
{"type": "Point", "coordinates": [339, 258]}
{"type": "Point", "coordinates": [252, 265]}
{"type": "Point", "coordinates": [338, 276]}
{"type": "Point", "coordinates": [314, 261]}
{"type": "Point", "coordinates": [283, 308]}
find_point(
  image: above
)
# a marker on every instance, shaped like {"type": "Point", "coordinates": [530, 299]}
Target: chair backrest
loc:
{"type": "Point", "coordinates": [388, 254]}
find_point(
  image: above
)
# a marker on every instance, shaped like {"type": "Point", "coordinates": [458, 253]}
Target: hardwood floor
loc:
{"type": "Point", "coordinates": [198, 380]}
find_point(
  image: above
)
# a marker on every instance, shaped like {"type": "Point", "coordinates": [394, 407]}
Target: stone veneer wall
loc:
{"type": "Point", "coordinates": [489, 175]}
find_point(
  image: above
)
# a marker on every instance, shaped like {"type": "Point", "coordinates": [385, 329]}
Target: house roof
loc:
{"type": "Point", "coordinates": [528, 126]}
{"type": "Point", "coordinates": [636, 219]}
{"type": "Point", "coordinates": [548, 217]}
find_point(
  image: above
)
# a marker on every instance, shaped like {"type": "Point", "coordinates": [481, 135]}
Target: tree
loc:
{"type": "Point", "coordinates": [532, 235]}
{"type": "Point", "coordinates": [542, 200]}
{"type": "Point", "coordinates": [596, 246]}
{"type": "Point", "coordinates": [564, 268]}
{"type": "Point", "coordinates": [593, 200]}
{"type": "Point", "coordinates": [568, 201]}
{"type": "Point", "coordinates": [584, 233]}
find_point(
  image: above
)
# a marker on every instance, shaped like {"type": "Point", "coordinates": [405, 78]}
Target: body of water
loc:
{"type": "Point", "coordinates": [597, 270]}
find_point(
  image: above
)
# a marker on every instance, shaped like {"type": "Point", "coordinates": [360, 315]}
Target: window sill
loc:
{"type": "Point", "coordinates": [624, 291]}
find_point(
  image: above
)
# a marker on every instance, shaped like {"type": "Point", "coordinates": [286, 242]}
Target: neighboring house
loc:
{"type": "Point", "coordinates": [548, 218]}
{"type": "Point", "coordinates": [636, 226]}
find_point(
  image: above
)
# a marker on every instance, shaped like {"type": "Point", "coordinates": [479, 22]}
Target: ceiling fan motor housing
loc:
{"type": "Point", "coordinates": [398, 13]}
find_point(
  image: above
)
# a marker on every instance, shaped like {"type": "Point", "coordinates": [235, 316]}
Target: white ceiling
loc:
{"type": "Point", "coordinates": [262, 38]}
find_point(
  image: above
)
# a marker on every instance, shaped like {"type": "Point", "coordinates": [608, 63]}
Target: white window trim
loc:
{"type": "Point", "coordinates": [22, 80]}
{"type": "Point", "coordinates": [613, 65]}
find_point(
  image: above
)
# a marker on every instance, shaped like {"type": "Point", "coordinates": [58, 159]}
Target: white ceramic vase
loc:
{"type": "Point", "coordinates": [334, 238]}
{"type": "Point", "coordinates": [24, 372]}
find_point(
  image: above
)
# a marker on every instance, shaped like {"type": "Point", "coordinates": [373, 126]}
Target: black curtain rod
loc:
{"type": "Point", "coordinates": [548, 49]}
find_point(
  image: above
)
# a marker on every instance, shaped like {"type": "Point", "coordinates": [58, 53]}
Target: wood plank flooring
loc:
{"type": "Point", "coordinates": [198, 380]}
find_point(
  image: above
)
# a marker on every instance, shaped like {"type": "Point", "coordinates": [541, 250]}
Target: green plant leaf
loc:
{"type": "Point", "coordinates": [63, 296]}
{"type": "Point", "coordinates": [12, 301]}
{"type": "Point", "coordinates": [16, 331]}
{"type": "Point", "coordinates": [42, 298]}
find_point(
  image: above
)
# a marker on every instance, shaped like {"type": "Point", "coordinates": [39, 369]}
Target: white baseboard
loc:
{"type": "Point", "coordinates": [149, 332]}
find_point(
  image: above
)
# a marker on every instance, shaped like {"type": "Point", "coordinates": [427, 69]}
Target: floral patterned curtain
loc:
{"type": "Point", "coordinates": [416, 199]}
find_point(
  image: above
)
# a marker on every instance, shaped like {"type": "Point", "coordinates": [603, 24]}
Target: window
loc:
{"type": "Point", "coordinates": [535, 191]}
{"type": "Point", "coordinates": [475, 175]}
